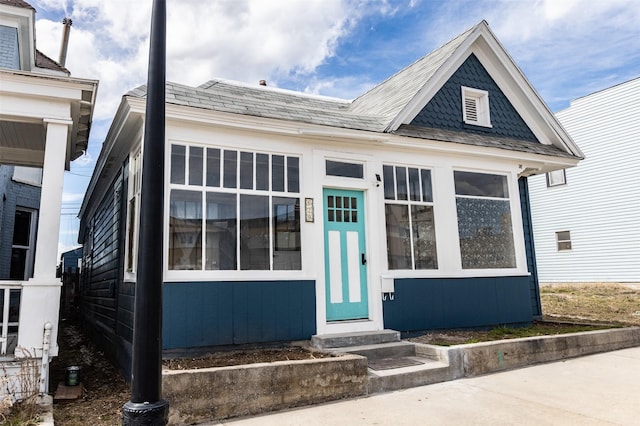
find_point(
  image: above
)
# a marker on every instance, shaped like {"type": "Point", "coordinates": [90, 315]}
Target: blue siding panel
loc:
{"type": "Point", "coordinates": [527, 223]}
{"type": "Point", "coordinates": [444, 110]}
{"type": "Point", "coordinates": [437, 303]}
{"type": "Point", "coordinates": [204, 314]}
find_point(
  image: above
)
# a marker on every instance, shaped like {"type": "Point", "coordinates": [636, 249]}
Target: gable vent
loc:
{"type": "Point", "coordinates": [475, 107]}
{"type": "Point", "coordinates": [471, 109]}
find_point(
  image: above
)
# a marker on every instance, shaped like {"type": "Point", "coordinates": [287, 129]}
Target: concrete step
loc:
{"type": "Point", "coordinates": [381, 350]}
{"type": "Point", "coordinates": [425, 372]}
{"type": "Point", "coordinates": [361, 338]}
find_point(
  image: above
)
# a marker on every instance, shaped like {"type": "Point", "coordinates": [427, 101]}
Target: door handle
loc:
{"type": "Point", "coordinates": [363, 259]}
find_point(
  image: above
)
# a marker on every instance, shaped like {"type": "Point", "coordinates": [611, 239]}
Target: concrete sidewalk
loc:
{"type": "Point", "coordinates": [592, 390]}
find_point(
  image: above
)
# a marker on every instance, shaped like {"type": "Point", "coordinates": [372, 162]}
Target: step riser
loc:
{"type": "Point", "coordinates": [386, 352]}
{"type": "Point", "coordinates": [354, 339]}
{"type": "Point", "coordinates": [378, 384]}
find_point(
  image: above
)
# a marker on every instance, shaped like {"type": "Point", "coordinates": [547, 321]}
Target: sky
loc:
{"type": "Point", "coordinates": [339, 48]}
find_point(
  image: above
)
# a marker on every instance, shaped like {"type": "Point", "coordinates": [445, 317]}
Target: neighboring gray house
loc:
{"type": "Point", "coordinates": [20, 189]}
{"type": "Point", "coordinates": [587, 219]}
{"type": "Point", "coordinates": [45, 119]}
{"type": "Point", "coordinates": [289, 215]}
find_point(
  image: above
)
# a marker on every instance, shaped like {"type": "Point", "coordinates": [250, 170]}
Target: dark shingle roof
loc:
{"type": "Point", "coordinates": [480, 140]}
{"type": "Point", "coordinates": [43, 61]}
{"type": "Point", "coordinates": [17, 3]}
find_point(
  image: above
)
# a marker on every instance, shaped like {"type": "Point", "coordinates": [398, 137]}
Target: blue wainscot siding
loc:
{"type": "Point", "coordinates": [437, 303]}
{"type": "Point", "coordinates": [204, 314]}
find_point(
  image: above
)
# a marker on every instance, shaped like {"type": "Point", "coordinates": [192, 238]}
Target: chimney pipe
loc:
{"type": "Point", "coordinates": [66, 22]}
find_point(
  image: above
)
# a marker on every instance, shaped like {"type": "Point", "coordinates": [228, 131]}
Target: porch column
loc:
{"type": "Point", "coordinates": [40, 299]}
{"type": "Point", "coordinates": [46, 256]}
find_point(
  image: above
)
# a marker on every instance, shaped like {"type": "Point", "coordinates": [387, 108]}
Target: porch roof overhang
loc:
{"type": "Point", "coordinates": [29, 100]}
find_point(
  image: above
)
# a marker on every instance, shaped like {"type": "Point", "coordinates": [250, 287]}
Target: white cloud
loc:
{"type": "Point", "coordinates": [246, 40]}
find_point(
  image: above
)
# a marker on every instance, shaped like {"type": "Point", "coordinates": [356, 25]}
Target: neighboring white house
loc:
{"type": "Point", "coordinates": [45, 117]}
{"type": "Point", "coordinates": [586, 220]}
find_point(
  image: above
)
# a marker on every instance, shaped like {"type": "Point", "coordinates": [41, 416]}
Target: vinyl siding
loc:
{"type": "Point", "coordinates": [600, 204]}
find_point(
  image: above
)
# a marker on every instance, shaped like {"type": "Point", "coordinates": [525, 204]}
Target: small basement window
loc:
{"type": "Point", "coordinates": [475, 107]}
{"type": "Point", "coordinates": [563, 240]}
{"type": "Point", "coordinates": [556, 178]}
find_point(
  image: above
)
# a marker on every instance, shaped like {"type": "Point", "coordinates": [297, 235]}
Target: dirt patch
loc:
{"type": "Point", "coordinates": [612, 303]}
{"type": "Point", "coordinates": [253, 356]}
{"type": "Point", "coordinates": [105, 391]}
{"type": "Point", "coordinates": [538, 328]}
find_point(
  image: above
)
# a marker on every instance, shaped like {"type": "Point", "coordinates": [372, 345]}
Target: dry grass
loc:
{"type": "Point", "coordinates": [610, 303]}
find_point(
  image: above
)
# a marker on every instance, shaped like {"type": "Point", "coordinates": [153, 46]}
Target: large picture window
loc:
{"type": "Point", "coordinates": [484, 221]}
{"type": "Point", "coordinates": [410, 228]}
{"type": "Point", "coordinates": [242, 207]}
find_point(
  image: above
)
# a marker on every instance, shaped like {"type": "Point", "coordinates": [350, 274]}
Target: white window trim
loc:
{"type": "Point", "coordinates": [481, 100]}
{"type": "Point", "coordinates": [560, 182]}
{"type": "Point", "coordinates": [559, 241]}
{"type": "Point", "coordinates": [135, 162]}
{"type": "Point", "coordinates": [178, 275]}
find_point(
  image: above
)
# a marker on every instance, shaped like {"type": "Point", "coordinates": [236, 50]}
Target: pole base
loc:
{"type": "Point", "coordinates": [145, 413]}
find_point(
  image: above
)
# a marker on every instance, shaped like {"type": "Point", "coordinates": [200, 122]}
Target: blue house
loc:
{"type": "Point", "coordinates": [289, 215]}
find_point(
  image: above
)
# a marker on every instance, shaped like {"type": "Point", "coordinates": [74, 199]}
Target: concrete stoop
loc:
{"type": "Point", "coordinates": [392, 364]}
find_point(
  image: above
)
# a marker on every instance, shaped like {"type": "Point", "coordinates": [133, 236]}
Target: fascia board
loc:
{"type": "Point", "coordinates": [522, 94]}
{"type": "Point", "coordinates": [460, 149]}
{"type": "Point", "coordinates": [113, 146]}
{"type": "Point", "coordinates": [45, 85]}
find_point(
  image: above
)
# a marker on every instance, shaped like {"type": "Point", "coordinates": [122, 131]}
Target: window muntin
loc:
{"type": "Point", "coordinates": [484, 221]}
{"type": "Point", "coordinates": [563, 240]}
{"type": "Point", "coordinates": [344, 169]}
{"type": "Point", "coordinates": [556, 178]}
{"type": "Point", "coordinates": [409, 218]}
{"type": "Point", "coordinates": [248, 221]}
{"type": "Point", "coordinates": [475, 107]}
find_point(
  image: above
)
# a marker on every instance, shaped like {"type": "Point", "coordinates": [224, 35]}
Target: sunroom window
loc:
{"type": "Point", "coordinates": [410, 228]}
{"type": "Point", "coordinates": [484, 221]}
{"type": "Point", "coordinates": [233, 210]}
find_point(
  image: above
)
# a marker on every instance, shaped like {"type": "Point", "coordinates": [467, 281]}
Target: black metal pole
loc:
{"type": "Point", "coordinates": [146, 406]}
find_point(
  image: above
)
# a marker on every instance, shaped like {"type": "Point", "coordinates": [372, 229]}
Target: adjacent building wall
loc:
{"type": "Point", "coordinates": [600, 203]}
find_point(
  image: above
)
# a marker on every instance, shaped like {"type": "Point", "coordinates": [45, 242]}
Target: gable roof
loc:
{"type": "Point", "coordinates": [43, 61]}
{"type": "Point", "coordinates": [393, 103]}
{"type": "Point", "coordinates": [17, 3]}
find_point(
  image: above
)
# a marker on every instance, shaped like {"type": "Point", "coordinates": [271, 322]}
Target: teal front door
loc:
{"type": "Point", "coordinates": [345, 255]}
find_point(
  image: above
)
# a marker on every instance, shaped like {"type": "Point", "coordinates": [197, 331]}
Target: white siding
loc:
{"type": "Point", "coordinates": [600, 204]}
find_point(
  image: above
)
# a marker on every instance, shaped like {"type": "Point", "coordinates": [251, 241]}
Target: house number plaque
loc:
{"type": "Point", "coordinates": [308, 209]}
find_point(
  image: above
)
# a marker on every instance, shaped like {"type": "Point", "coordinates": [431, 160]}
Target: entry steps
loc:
{"type": "Point", "coordinates": [393, 364]}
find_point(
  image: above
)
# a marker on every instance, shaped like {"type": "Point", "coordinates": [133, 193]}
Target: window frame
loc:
{"type": "Point", "coordinates": [408, 204]}
{"type": "Point", "coordinates": [132, 221]}
{"type": "Point", "coordinates": [551, 183]}
{"type": "Point", "coordinates": [561, 243]}
{"type": "Point", "coordinates": [289, 160]}
{"type": "Point", "coordinates": [481, 100]}
{"type": "Point", "coordinates": [508, 198]}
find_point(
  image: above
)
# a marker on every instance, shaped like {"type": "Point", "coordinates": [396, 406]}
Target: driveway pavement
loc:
{"type": "Point", "coordinates": [602, 389]}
